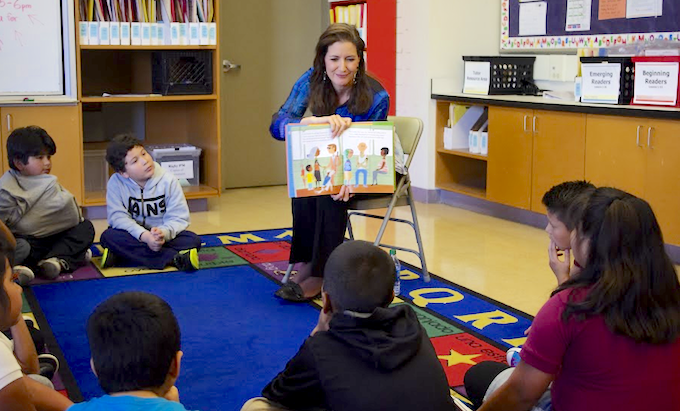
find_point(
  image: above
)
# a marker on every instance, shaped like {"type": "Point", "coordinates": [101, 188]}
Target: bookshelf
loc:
{"type": "Point", "coordinates": [380, 33]}
{"type": "Point", "coordinates": [126, 72]}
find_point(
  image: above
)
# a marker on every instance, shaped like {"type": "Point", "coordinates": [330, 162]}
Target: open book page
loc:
{"type": "Point", "coordinates": [314, 161]}
{"type": "Point", "coordinates": [361, 158]}
{"type": "Point", "coordinates": [368, 157]}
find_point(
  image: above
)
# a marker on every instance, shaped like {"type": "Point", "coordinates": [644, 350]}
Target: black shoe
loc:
{"type": "Point", "coordinates": [187, 260]}
{"type": "Point", "coordinates": [49, 365]}
{"type": "Point", "coordinates": [108, 259]}
{"type": "Point", "coordinates": [292, 292]}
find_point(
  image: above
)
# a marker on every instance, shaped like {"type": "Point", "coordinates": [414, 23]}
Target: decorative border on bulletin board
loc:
{"type": "Point", "coordinates": [508, 43]}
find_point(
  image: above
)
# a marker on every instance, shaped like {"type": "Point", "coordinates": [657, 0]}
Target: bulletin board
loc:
{"type": "Point", "coordinates": [608, 25]}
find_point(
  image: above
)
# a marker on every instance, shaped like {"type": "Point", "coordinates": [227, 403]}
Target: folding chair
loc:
{"type": "Point", "coordinates": [409, 130]}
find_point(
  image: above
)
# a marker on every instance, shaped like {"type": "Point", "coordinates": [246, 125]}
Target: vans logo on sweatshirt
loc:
{"type": "Point", "coordinates": [152, 207]}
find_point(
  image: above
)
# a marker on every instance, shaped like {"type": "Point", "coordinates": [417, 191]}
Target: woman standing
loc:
{"type": "Point", "coordinates": [337, 91]}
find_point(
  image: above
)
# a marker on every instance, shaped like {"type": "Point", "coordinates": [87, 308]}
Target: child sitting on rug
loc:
{"type": "Point", "coordinates": [18, 357]}
{"type": "Point", "coordinates": [52, 235]}
{"type": "Point", "coordinates": [362, 354]}
{"type": "Point", "coordinates": [147, 212]}
{"type": "Point", "coordinates": [564, 204]}
{"type": "Point", "coordinates": [135, 344]}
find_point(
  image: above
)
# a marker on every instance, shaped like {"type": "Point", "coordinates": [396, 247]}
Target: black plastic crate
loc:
{"type": "Point", "coordinates": [627, 74]}
{"type": "Point", "coordinates": [182, 72]}
{"type": "Point", "coordinates": [509, 75]}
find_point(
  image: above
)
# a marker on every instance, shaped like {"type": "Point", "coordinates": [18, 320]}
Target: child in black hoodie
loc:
{"type": "Point", "coordinates": [361, 355]}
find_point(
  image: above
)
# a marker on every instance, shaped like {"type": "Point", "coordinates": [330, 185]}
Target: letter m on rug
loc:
{"type": "Point", "coordinates": [240, 239]}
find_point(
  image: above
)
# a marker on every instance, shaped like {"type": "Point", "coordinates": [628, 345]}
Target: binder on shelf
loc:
{"type": "Point", "coordinates": [146, 34]}
{"type": "Point", "coordinates": [115, 33]}
{"type": "Point", "coordinates": [212, 34]}
{"type": "Point", "coordinates": [173, 34]}
{"type": "Point", "coordinates": [154, 34]}
{"type": "Point", "coordinates": [104, 33]}
{"type": "Point", "coordinates": [484, 139]}
{"type": "Point", "coordinates": [461, 119]}
{"type": "Point", "coordinates": [136, 34]}
{"type": "Point", "coordinates": [204, 37]}
{"type": "Point", "coordinates": [93, 33]}
{"type": "Point", "coordinates": [474, 141]}
{"type": "Point", "coordinates": [160, 34]}
{"type": "Point", "coordinates": [83, 35]}
{"type": "Point", "coordinates": [194, 34]}
{"type": "Point", "coordinates": [184, 34]}
{"type": "Point", "coordinates": [125, 34]}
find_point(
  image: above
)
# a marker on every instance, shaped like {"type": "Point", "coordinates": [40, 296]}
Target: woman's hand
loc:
{"type": "Point", "coordinates": [344, 195]}
{"type": "Point", "coordinates": [338, 124]}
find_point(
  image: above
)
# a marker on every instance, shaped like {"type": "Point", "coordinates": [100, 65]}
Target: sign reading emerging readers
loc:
{"type": "Point", "coordinates": [656, 83]}
{"type": "Point", "coordinates": [477, 77]}
{"type": "Point", "coordinates": [601, 83]}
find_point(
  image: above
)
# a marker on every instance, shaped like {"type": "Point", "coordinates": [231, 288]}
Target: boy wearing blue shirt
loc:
{"type": "Point", "coordinates": [135, 344]}
{"type": "Point", "coordinates": [147, 212]}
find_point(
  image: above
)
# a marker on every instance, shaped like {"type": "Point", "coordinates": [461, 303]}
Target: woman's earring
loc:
{"type": "Point", "coordinates": [355, 78]}
{"type": "Point", "coordinates": [325, 77]}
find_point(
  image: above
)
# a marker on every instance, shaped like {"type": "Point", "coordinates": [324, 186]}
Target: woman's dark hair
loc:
{"type": "Point", "coordinates": [630, 280]}
{"type": "Point", "coordinates": [323, 99]}
{"type": "Point", "coordinates": [25, 142]}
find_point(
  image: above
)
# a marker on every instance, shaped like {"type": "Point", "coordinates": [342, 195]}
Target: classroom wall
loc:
{"type": "Point", "coordinates": [432, 37]}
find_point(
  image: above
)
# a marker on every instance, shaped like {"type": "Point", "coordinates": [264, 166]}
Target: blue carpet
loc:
{"type": "Point", "coordinates": [234, 340]}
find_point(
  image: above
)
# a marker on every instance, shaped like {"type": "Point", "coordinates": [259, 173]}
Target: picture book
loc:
{"type": "Point", "coordinates": [362, 158]}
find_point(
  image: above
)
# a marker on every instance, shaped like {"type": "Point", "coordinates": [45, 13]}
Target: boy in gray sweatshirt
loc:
{"type": "Point", "coordinates": [52, 235]}
{"type": "Point", "coordinates": [147, 212]}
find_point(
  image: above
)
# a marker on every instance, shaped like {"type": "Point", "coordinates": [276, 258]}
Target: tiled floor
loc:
{"type": "Point", "coordinates": [503, 260]}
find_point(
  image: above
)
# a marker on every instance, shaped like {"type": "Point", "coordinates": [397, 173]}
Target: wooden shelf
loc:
{"type": "Point", "coordinates": [190, 97]}
{"type": "Point", "coordinates": [98, 198]}
{"type": "Point", "coordinates": [463, 189]}
{"type": "Point", "coordinates": [462, 153]}
{"type": "Point", "coordinates": [174, 47]}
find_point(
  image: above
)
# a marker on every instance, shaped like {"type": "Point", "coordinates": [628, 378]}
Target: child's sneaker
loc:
{"type": "Point", "coordinates": [49, 365]}
{"type": "Point", "coordinates": [108, 259]}
{"type": "Point", "coordinates": [24, 274]}
{"type": "Point", "coordinates": [513, 356]}
{"type": "Point", "coordinates": [187, 260]}
{"type": "Point", "coordinates": [50, 268]}
{"type": "Point", "coordinates": [88, 255]}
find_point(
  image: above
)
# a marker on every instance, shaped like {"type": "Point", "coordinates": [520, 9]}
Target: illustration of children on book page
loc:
{"type": "Point", "coordinates": [362, 158]}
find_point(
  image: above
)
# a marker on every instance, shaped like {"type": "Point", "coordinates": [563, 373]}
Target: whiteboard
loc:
{"type": "Point", "coordinates": [31, 47]}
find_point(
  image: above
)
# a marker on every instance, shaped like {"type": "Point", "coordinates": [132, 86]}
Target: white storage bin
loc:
{"type": "Point", "coordinates": [96, 170]}
{"type": "Point", "coordinates": [182, 160]}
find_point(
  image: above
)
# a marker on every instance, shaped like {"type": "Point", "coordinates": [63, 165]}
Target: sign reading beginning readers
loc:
{"type": "Point", "coordinates": [477, 77]}
{"type": "Point", "coordinates": [656, 83]}
{"type": "Point", "coordinates": [601, 82]}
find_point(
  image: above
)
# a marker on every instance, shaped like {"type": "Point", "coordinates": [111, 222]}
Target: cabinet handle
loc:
{"type": "Point", "coordinates": [533, 126]}
{"type": "Point", "coordinates": [637, 141]}
{"type": "Point", "coordinates": [525, 123]}
{"type": "Point", "coordinates": [9, 123]}
{"type": "Point", "coordinates": [649, 137]}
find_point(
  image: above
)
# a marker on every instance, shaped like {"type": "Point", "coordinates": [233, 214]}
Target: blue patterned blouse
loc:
{"type": "Point", "coordinates": [295, 106]}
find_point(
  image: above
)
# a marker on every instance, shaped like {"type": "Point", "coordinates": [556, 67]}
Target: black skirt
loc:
{"type": "Point", "coordinates": [319, 225]}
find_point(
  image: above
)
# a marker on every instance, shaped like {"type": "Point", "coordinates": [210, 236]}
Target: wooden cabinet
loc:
{"type": "Point", "coordinates": [62, 123]}
{"type": "Point", "coordinates": [530, 151]}
{"type": "Point", "coordinates": [558, 152]}
{"type": "Point", "coordinates": [640, 156]}
{"type": "Point", "coordinates": [509, 164]}
{"type": "Point", "coordinates": [615, 154]}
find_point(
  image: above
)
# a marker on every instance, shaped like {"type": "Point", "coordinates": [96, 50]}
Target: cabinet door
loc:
{"type": "Point", "coordinates": [63, 125]}
{"type": "Point", "coordinates": [559, 152]}
{"type": "Point", "coordinates": [509, 162]}
{"type": "Point", "coordinates": [662, 188]}
{"type": "Point", "coordinates": [615, 156]}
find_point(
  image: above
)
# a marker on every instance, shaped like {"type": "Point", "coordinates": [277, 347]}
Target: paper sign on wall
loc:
{"type": "Point", "coordinates": [533, 18]}
{"type": "Point", "coordinates": [477, 77]}
{"type": "Point", "coordinates": [180, 169]}
{"type": "Point", "coordinates": [656, 83]}
{"type": "Point", "coordinates": [578, 15]}
{"type": "Point", "coordinates": [601, 83]}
